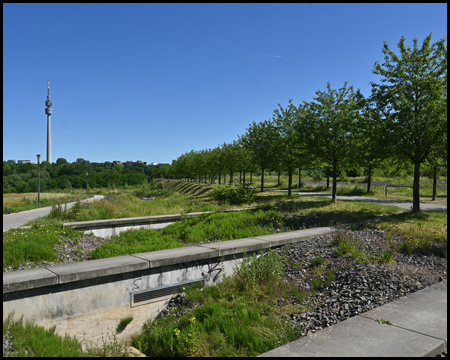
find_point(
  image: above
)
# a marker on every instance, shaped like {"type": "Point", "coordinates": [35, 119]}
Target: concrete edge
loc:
{"type": "Point", "coordinates": [132, 220]}
{"type": "Point", "coordinates": [39, 277]}
{"type": "Point", "coordinates": [28, 279]}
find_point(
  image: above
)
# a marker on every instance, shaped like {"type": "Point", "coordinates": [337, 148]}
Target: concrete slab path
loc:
{"type": "Point", "coordinates": [16, 220]}
{"type": "Point", "coordinates": [419, 328]}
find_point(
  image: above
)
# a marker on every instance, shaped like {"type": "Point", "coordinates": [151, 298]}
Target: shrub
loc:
{"type": "Point", "coordinates": [239, 194]}
{"type": "Point", "coordinates": [259, 270]}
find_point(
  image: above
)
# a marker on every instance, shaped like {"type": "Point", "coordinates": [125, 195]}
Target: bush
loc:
{"type": "Point", "coordinates": [239, 194]}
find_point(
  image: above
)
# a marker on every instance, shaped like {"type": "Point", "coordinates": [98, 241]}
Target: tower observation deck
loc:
{"type": "Point", "coordinates": [49, 111]}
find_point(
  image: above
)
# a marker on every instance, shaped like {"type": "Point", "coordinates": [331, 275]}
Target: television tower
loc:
{"type": "Point", "coordinates": [49, 111]}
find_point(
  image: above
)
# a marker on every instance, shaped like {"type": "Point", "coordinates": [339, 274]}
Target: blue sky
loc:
{"type": "Point", "coordinates": [152, 81]}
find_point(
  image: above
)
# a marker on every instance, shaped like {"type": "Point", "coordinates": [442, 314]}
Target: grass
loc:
{"type": "Point", "coordinates": [235, 319]}
{"type": "Point", "coordinates": [31, 340]}
{"type": "Point", "coordinates": [13, 203]}
{"type": "Point", "coordinates": [208, 227]}
{"type": "Point", "coordinates": [128, 204]}
{"type": "Point", "coordinates": [34, 244]}
{"type": "Point", "coordinates": [36, 341]}
{"type": "Point", "coordinates": [398, 193]}
{"type": "Point", "coordinates": [123, 323]}
{"type": "Point", "coordinates": [425, 232]}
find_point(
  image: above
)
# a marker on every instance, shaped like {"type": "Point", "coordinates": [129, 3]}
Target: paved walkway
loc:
{"type": "Point", "coordinates": [419, 328]}
{"type": "Point", "coordinates": [386, 201]}
{"type": "Point", "coordinates": [16, 220]}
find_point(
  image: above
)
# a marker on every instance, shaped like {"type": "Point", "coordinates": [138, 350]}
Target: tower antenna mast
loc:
{"type": "Point", "coordinates": [49, 112]}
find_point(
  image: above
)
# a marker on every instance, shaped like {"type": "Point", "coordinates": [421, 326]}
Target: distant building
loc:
{"type": "Point", "coordinates": [23, 161]}
{"type": "Point", "coordinates": [154, 164]}
{"type": "Point", "coordinates": [115, 162]}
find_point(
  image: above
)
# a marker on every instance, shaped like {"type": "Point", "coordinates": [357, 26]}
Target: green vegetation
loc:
{"type": "Point", "coordinates": [13, 203]}
{"type": "Point", "coordinates": [236, 317]}
{"type": "Point", "coordinates": [424, 233]}
{"type": "Point", "coordinates": [31, 340]}
{"type": "Point", "coordinates": [317, 261]}
{"type": "Point", "coordinates": [64, 176]}
{"type": "Point", "coordinates": [208, 227]}
{"type": "Point", "coordinates": [381, 321]}
{"type": "Point", "coordinates": [34, 245]}
{"type": "Point", "coordinates": [36, 341]}
{"type": "Point", "coordinates": [123, 323]}
{"type": "Point", "coordinates": [240, 194]}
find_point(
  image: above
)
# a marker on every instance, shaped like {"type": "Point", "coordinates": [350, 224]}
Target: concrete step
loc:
{"type": "Point", "coordinates": [419, 328]}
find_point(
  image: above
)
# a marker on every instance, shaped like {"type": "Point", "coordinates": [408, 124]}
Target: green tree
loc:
{"type": "Point", "coordinates": [244, 156]}
{"type": "Point", "coordinates": [414, 89]}
{"type": "Point", "coordinates": [289, 146]}
{"type": "Point", "coordinates": [373, 146]}
{"type": "Point", "coordinates": [332, 128]}
{"type": "Point", "coordinates": [61, 161]}
{"type": "Point", "coordinates": [259, 138]}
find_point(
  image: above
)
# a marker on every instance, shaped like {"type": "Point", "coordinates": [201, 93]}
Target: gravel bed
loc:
{"type": "Point", "coordinates": [356, 288]}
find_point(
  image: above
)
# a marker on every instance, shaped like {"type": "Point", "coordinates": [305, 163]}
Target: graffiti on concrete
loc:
{"type": "Point", "coordinates": [134, 283]}
{"type": "Point", "coordinates": [211, 272]}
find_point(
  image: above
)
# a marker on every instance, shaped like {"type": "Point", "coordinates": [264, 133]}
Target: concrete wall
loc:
{"type": "Point", "coordinates": [108, 228]}
{"type": "Point", "coordinates": [88, 299]}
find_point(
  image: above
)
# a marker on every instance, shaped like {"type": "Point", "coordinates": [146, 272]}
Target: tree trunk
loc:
{"type": "Point", "coordinates": [416, 188]}
{"type": "Point", "coordinates": [251, 177]}
{"type": "Point", "coordinates": [299, 178]}
{"type": "Point", "coordinates": [243, 178]}
{"type": "Point", "coordinates": [370, 177]}
{"type": "Point", "coordinates": [328, 178]}
{"type": "Point", "coordinates": [212, 177]}
{"type": "Point", "coordinates": [290, 181]}
{"type": "Point", "coordinates": [240, 176]}
{"type": "Point", "coordinates": [231, 176]}
{"type": "Point", "coordinates": [205, 176]}
{"type": "Point", "coordinates": [262, 180]}
{"type": "Point", "coordinates": [220, 176]}
{"type": "Point", "coordinates": [434, 183]}
{"type": "Point", "coordinates": [333, 191]}
{"type": "Point", "coordinates": [279, 175]}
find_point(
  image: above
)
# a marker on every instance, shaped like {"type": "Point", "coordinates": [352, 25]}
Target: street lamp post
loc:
{"type": "Point", "coordinates": [86, 183]}
{"type": "Point", "coordinates": [39, 177]}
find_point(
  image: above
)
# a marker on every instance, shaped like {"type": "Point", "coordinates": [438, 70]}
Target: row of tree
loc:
{"type": "Point", "coordinates": [404, 120]}
{"type": "Point", "coordinates": [20, 178]}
